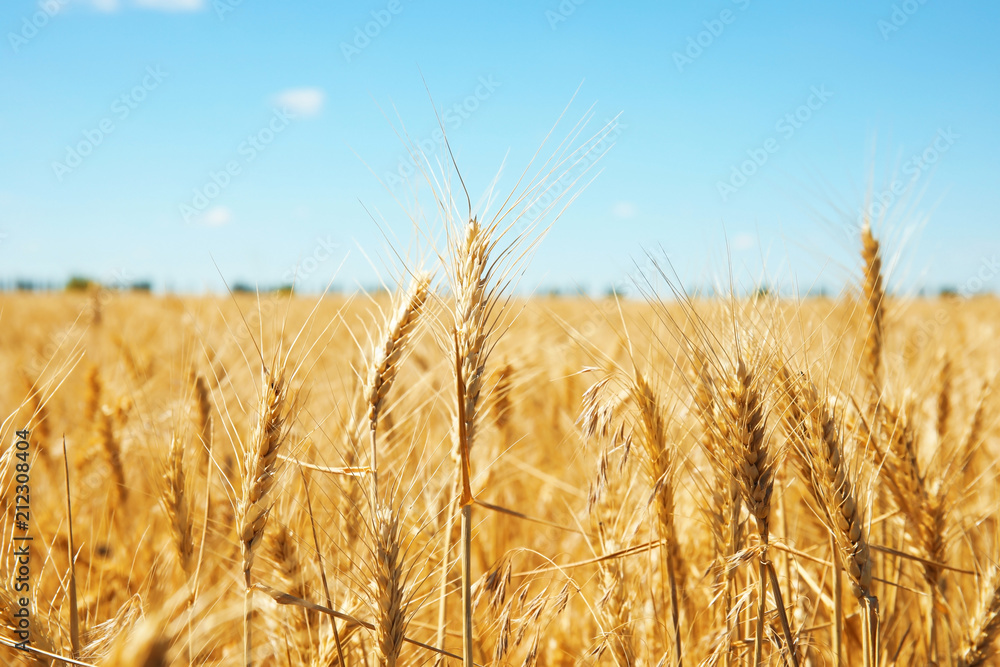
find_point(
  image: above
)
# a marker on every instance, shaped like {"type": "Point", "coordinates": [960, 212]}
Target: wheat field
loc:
{"type": "Point", "coordinates": [449, 474]}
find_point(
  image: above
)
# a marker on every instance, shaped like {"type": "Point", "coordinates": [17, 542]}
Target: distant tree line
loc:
{"type": "Point", "coordinates": [79, 283]}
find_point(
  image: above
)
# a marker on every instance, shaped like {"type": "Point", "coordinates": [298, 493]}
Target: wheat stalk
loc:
{"type": "Point", "coordinates": [470, 273]}
{"type": "Point", "coordinates": [384, 361]}
{"type": "Point", "coordinates": [660, 462]}
{"type": "Point", "coordinates": [111, 446]}
{"type": "Point", "coordinates": [753, 463]}
{"type": "Point", "coordinates": [92, 395]}
{"type": "Point", "coordinates": [725, 502]}
{"type": "Point", "coordinates": [258, 468]}
{"type": "Point", "coordinates": [874, 295]}
{"type": "Point", "coordinates": [387, 587]}
{"type": "Point", "coordinates": [814, 430]}
{"type": "Point", "coordinates": [177, 499]}
{"type": "Point", "coordinates": [202, 416]}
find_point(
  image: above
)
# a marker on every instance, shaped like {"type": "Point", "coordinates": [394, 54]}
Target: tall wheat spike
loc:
{"type": "Point", "coordinates": [258, 468]}
{"type": "Point", "coordinates": [383, 366]}
{"type": "Point", "coordinates": [874, 296]}
{"type": "Point", "coordinates": [660, 455]}
{"type": "Point", "coordinates": [725, 501]}
{"type": "Point", "coordinates": [388, 590]}
{"type": "Point", "coordinates": [385, 358]}
{"type": "Point", "coordinates": [177, 499]}
{"type": "Point", "coordinates": [470, 273]}
{"type": "Point", "coordinates": [753, 461]}
{"type": "Point", "coordinates": [816, 434]}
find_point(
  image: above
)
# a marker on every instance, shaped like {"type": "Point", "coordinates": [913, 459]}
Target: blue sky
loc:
{"type": "Point", "coordinates": [762, 124]}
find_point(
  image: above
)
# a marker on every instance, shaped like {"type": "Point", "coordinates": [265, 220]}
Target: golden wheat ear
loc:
{"type": "Point", "coordinates": [258, 471]}
{"type": "Point", "coordinates": [391, 345]}
{"type": "Point", "coordinates": [873, 292]}
{"type": "Point", "coordinates": [817, 436]}
{"type": "Point", "coordinates": [387, 587]}
{"type": "Point", "coordinates": [178, 502]}
{"type": "Point", "coordinates": [389, 348]}
{"type": "Point", "coordinates": [979, 646]}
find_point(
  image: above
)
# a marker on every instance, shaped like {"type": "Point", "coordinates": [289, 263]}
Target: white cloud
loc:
{"type": "Point", "coordinates": [301, 101]}
{"type": "Point", "coordinates": [217, 216]}
{"type": "Point", "coordinates": [623, 210]}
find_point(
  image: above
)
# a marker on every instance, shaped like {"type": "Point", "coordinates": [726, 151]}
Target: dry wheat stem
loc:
{"type": "Point", "coordinates": [816, 434]}
{"type": "Point", "coordinates": [753, 467]}
{"type": "Point", "coordinates": [725, 504]}
{"type": "Point", "coordinates": [258, 468]}
{"type": "Point", "coordinates": [659, 456]}
{"type": "Point", "coordinates": [473, 303]}
{"type": "Point", "coordinates": [284, 598]}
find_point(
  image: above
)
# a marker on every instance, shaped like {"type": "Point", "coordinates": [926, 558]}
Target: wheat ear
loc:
{"type": "Point", "coordinates": [389, 348]}
{"type": "Point", "coordinates": [112, 451]}
{"type": "Point", "coordinates": [874, 295]}
{"type": "Point", "coordinates": [980, 642]}
{"type": "Point", "coordinates": [388, 590]}
{"type": "Point", "coordinates": [470, 273]}
{"type": "Point", "coordinates": [285, 553]}
{"type": "Point", "coordinates": [944, 398]}
{"type": "Point", "coordinates": [258, 467]}
{"type": "Point", "coordinates": [753, 466]}
{"type": "Point", "coordinates": [92, 395]}
{"type": "Point", "coordinates": [177, 499]}
{"type": "Point", "coordinates": [615, 605]}
{"type": "Point", "coordinates": [660, 461]}
{"type": "Point", "coordinates": [725, 503]}
{"type": "Point", "coordinates": [815, 432]}
{"type": "Point", "coordinates": [384, 361]}
{"type": "Point", "coordinates": [202, 417]}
